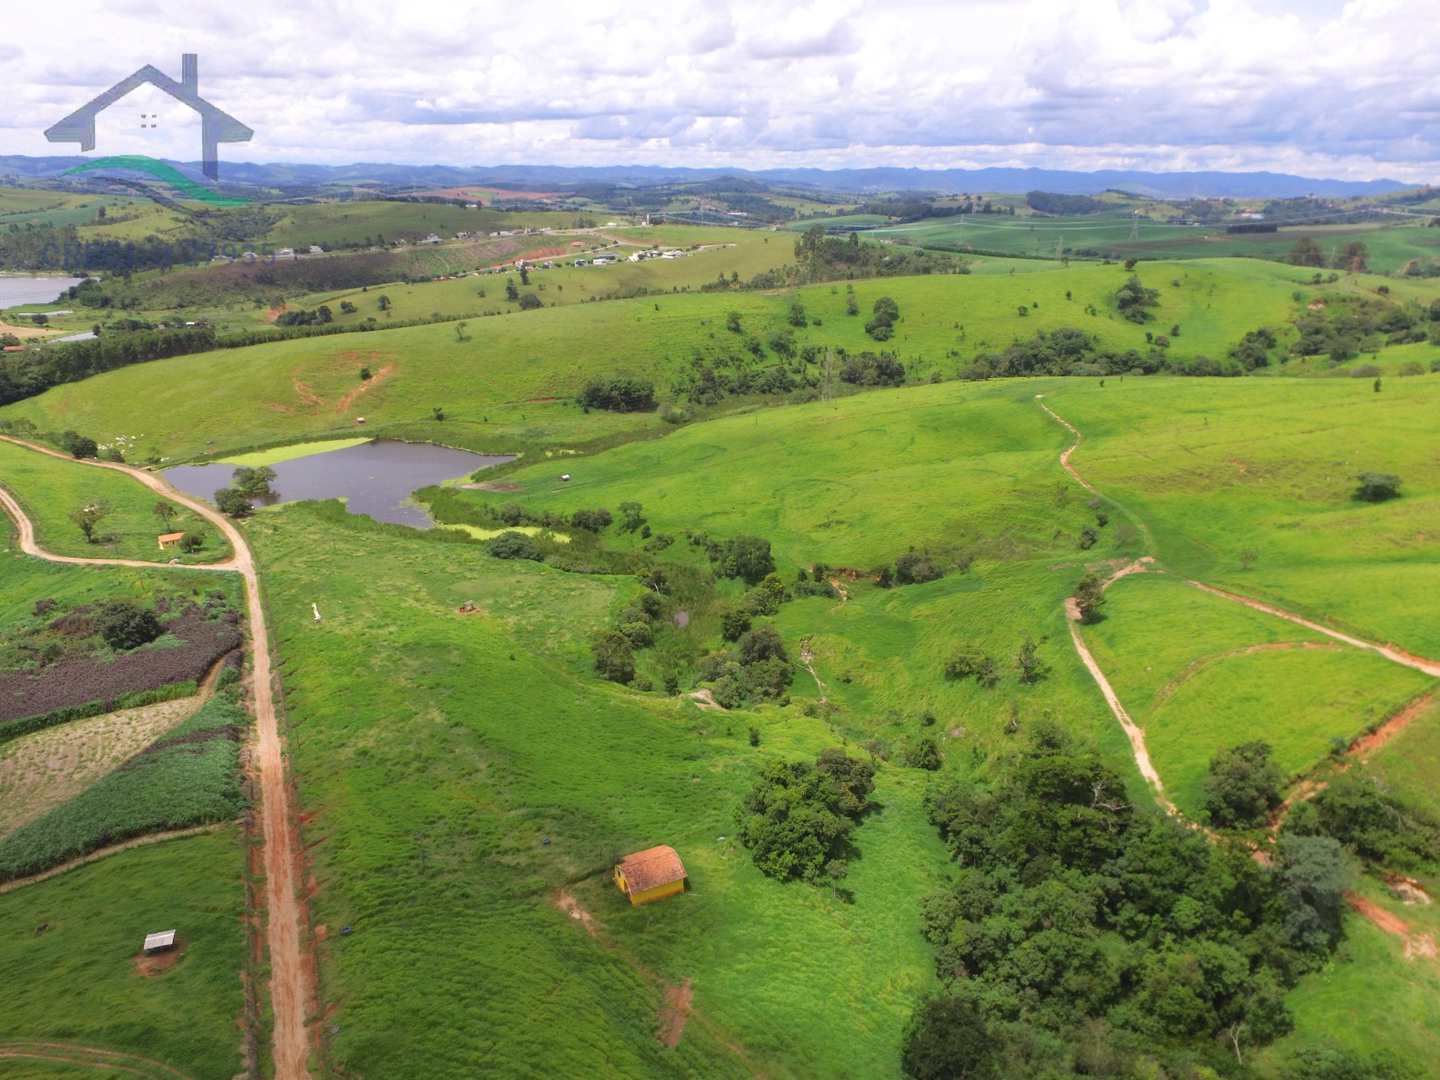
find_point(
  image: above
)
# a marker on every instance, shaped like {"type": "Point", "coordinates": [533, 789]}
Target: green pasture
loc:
{"type": "Point", "coordinates": [50, 490]}
{"type": "Point", "coordinates": [457, 770]}
{"type": "Point", "coordinates": [510, 382]}
{"type": "Point", "coordinates": [1390, 245]}
{"type": "Point", "coordinates": [70, 942]}
{"type": "Point", "coordinates": [1370, 999]}
{"type": "Point", "coordinates": [1200, 674]}
{"type": "Point", "coordinates": [351, 223]}
{"type": "Point", "coordinates": [1221, 470]}
{"type": "Point", "coordinates": [1405, 766]}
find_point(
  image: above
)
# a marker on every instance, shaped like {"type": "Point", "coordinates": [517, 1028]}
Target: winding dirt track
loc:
{"type": "Point", "coordinates": [290, 992]}
{"type": "Point", "coordinates": [1133, 731]}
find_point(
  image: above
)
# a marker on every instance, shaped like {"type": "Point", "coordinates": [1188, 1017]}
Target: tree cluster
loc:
{"type": "Point", "coordinates": [619, 393]}
{"type": "Point", "coordinates": [799, 819]}
{"type": "Point", "coordinates": [1075, 920]}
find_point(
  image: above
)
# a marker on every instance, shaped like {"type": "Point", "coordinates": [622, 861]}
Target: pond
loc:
{"type": "Point", "coordinates": [376, 478]}
{"type": "Point", "coordinates": [18, 289]}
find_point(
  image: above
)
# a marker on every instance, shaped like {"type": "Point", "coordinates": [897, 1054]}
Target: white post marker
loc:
{"type": "Point", "coordinates": [316, 609]}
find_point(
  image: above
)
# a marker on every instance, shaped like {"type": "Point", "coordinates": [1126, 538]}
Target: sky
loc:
{"type": "Point", "coordinates": [1321, 88]}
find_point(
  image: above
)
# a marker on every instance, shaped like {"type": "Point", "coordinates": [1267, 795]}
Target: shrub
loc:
{"type": "Point", "coordinates": [1090, 598]}
{"type": "Point", "coordinates": [1028, 663]}
{"type": "Point", "coordinates": [915, 568]}
{"type": "Point", "coordinates": [973, 664]}
{"type": "Point", "coordinates": [922, 754]}
{"type": "Point", "coordinates": [613, 657]}
{"type": "Point", "coordinates": [744, 557]}
{"type": "Point", "coordinates": [232, 503]}
{"type": "Point", "coordinates": [1133, 298]}
{"type": "Point", "coordinates": [123, 625]}
{"type": "Point", "coordinates": [594, 521]}
{"type": "Point", "coordinates": [1243, 785]}
{"type": "Point", "coordinates": [733, 623]}
{"type": "Point", "coordinates": [868, 369]}
{"type": "Point", "coordinates": [619, 393]}
{"type": "Point", "coordinates": [1377, 487]}
{"type": "Point", "coordinates": [759, 644]}
{"type": "Point", "coordinates": [514, 545]}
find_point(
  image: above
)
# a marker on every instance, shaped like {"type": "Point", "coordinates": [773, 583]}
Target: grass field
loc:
{"type": "Point", "coordinates": [79, 974]}
{"type": "Point", "coordinates": [476, 760]}
{"type": "Point", "coordinates": [1200, 674]}
{"type": "Point", "coordinates": [1370, 999]}
{"type": "Point", "coordinates": [51, 489]}
{"type": "Point", "coordinates": [1406, 765]}
{"type": "Point", "coordinates": [1185, 456]}
{"type": "Point", "coordinates": [1390, 245]}
{"type": "Point", "coordinates": [499, 387]}
{"type": "Point", "coordinates": [351, 223]}
{"type": "Point", "coordinates": [187, 776]}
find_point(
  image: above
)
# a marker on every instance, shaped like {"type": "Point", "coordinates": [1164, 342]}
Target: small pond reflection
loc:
{"type": "Point", "coordinates": [375, 479]}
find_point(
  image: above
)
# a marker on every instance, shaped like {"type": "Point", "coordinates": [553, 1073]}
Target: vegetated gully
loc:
{"type": "Point", "coordinates": [1133, 731]}
{"type": "Point", "coordinates": [290, 989]}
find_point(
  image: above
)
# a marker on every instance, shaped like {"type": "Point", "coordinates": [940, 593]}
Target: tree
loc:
{"type": "Point", "coordinates": [852, 306]}
{"type": "Point", "coordinates": [529, 302]}
{"type": "Point", "coordinates": [123, 625]}
{"type": "Point", "coordinates": [1313, 876]}
{"type": "Point", "coordinates": [732, 322]}
{"type": "Point", "coordinates": [733, 623]}
{"type": "Point", "coordinates": [631, 516]}
{"type": "Point", "coordinates": [77, 445]}
{"type": "Point", "coordinates": [744, 557]}
{"type": "Point", "coordinates": [515, 545]}
{"type": "Point", "coordinates": [947, 1039]}
{"type": "Point", "coordinates": [1306, 252]}
{"type": "Point", "coordinates": [1377, 487]}
{"type": "Point", "coordinates": [254, 483]}
{"type": "Point", "coordinates": [383, 303]}
{"type": "Point", "coordinates": [973, 664]}
{"type": "Point", "coordinates": [613, 657]}
{"type": "Point", "coordinates": [166, 512]}
{"type": "Point", "coordinates": [1090, 598]}
{"type": "Point", "coordinates": [760, 644]}
{"type": "Point", "coordinates": [87, 519]}
{"type": "Point", "coordinates": [512, 293]}
{"type": "Point", "coordinates": [232, 503]}
{"type": "Point", "coordinates": [797, 316]}
{"type": "Point", "coordinates": [1243, 785]}
{"type": "Point", "coordinates": [885, 314]}
{"type": "Point", "coordinates": [1028, 663]}
{"type": "Point", "coordinates": [192, 542]}
{"type": "Point", "coordinates": [1133, 298]}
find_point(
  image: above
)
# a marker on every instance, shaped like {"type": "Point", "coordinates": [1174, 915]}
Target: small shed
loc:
{"type": "Point", "coordinates": [650, 875]}
{"type": "Point", "coordinates": [169, 540]}
{"type": "Point", "coordinates": [159, 942]}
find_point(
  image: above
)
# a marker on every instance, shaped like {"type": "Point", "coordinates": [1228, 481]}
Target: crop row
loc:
{"type": "Point", "coordinates": [190, 776]}
{"type": "Point", "coordinates": [31, 700]}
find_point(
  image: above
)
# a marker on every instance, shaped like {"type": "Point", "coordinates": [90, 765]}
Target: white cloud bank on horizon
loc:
{"type": "Point", "coordinates": [1314, 87]}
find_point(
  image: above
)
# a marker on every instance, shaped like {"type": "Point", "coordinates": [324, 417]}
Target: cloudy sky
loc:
{"type": "Point", "coordinates": [1316, 87]}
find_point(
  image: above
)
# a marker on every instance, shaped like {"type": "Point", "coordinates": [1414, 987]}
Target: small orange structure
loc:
{"type": "Point", "coordinates": [650, 875]}
{"type": "Point", "coordinates": [168, 540]}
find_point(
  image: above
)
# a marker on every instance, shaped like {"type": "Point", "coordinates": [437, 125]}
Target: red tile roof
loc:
{"type": "Point", "coordinates": [651, 868]}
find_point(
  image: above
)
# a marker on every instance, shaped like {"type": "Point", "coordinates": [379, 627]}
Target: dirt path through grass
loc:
{"type": "Point", "coordinates": [89, 1057]}
{"type": "Point", "coordinates": [290, 989]}
{"type": "Point", "coordinates": [1133, 731]}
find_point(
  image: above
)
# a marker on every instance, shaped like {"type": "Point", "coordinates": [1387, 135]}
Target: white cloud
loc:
{"type": "Point", "coordinates": [1313, 86]}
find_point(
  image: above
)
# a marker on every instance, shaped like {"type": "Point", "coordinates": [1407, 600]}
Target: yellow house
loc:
{"type": "Point", "coordinates": [168, 540]}
{"type": "Point", "coordinates": [650, 875]}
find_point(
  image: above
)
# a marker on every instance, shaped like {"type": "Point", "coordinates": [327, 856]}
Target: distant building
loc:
{"type": "Point", "coordinates": [650, 875]}
{"type": "Point", "coordinates": [316, 249]}
{"type": "Point", "coordinates": [169, 540]}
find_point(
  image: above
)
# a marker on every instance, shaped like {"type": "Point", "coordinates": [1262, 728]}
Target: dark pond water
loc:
{"type": "Point", "coordinates": [15, 289]}
{"type": "Point", "coordinates": [375, 479]}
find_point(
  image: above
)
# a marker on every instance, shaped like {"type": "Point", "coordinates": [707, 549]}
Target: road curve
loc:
{"type": "Point", "coordinates": [290, 992]}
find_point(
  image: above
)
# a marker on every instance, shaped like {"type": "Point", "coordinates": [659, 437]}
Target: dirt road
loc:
{"type": "Point", "coordinates": [1133, 731]}
{"type": "Point", "coordinates": [290, 992]}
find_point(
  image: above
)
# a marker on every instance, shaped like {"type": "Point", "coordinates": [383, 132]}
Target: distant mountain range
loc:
{"type": "Point", "coordinates": [1170, 185]}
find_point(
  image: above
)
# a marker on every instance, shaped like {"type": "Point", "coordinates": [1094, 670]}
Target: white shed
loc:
{"type": "Point", "coordinates": [159, 942]}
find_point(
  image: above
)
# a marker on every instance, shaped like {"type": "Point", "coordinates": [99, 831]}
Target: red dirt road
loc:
{"type": "Point", "coordinates": [290, 989]}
